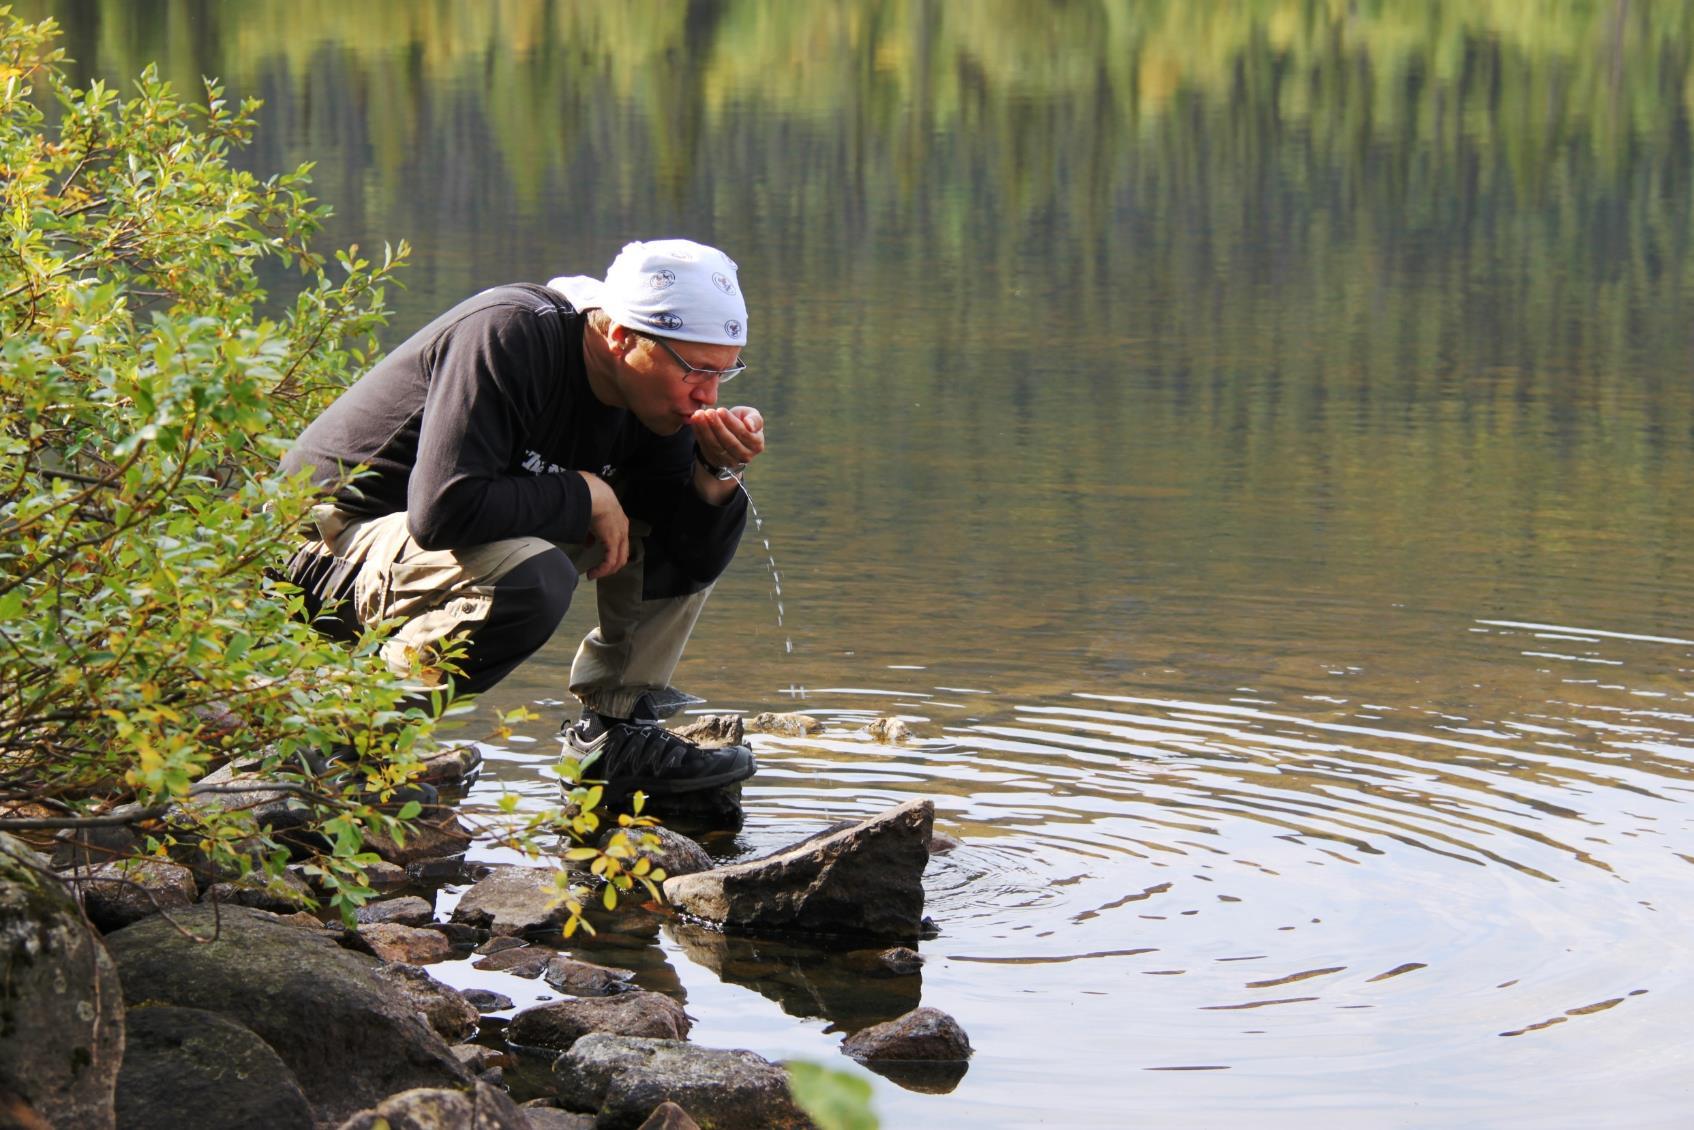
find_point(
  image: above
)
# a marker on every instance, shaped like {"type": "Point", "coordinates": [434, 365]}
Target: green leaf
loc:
{"type": "Point", "coordinates": [833, 1099]}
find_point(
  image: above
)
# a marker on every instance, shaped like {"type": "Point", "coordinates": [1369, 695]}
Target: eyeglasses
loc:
{"type": "Point", "coordinates": [693, 374]}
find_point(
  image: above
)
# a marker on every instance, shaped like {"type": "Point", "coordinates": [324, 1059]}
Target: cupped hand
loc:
{"type": "Point", "coordinates": [728, 437]}
{"type": "Point", "coordinates": [608, 525]}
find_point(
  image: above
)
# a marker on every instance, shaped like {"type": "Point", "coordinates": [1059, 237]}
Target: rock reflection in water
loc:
{"type": "Point", "coordinates": [852, 989]}
{"type": "Point", "coordinates": [918, 1075]}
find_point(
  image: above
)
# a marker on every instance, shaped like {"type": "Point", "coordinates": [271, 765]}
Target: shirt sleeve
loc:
{"type": "Point", "coordinates": [484, 385]}
{"type": "Point", "coordinates": [693, 541]}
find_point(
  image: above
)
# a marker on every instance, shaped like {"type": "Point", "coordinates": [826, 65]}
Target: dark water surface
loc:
{"type": "Point", "coordinates": [1250, 445]}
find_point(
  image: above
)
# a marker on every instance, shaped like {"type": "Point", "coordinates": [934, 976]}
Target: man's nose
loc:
{"type": "Point", "coordinates": [704, 392]}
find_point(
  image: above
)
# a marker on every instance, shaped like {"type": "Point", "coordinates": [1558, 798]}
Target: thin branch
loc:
{"type": "Point", "coordinates": [37, 823]}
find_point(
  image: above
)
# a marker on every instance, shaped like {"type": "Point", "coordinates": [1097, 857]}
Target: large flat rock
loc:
{"type": "Point", "coordinates": [512, 900]}
{"type": "Point", "coordinates": [350, 1038]}
{"type": "Point", "coordinates": [863, 879]}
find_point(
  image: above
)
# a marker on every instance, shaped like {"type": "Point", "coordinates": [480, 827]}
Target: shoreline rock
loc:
{"type": "Point", "coordinates": [60, 996]}
{"type": "Point", "coordinates": [560, 1024]}
{"type": "Point", "coordinates": [866, 878]}
{"type": "Point", "coordinates": [627, 1078]}
{"type": "Point", "coordinates": [327, 1012]}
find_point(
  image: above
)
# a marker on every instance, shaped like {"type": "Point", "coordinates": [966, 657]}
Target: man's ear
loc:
{"type": "Point", "coordinates": [618, 339]}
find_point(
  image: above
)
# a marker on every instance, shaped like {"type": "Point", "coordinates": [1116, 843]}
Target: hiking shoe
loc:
{"type": "Point", "coordinates": [641, 755]}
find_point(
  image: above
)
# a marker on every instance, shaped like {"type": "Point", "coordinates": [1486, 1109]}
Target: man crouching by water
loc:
{"type": "Point", "coordinates": [529, 436]}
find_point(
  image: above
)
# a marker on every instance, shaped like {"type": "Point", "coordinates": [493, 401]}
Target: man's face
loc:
{"type": "Point", "coordinates": [660, 390]}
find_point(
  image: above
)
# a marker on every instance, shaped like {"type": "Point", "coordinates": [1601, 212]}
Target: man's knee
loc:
{"type": "Point", "coordinates": [535, 595]}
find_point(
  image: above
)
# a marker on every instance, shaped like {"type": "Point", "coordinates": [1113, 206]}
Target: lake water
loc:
{"type": "Point", "coordinates": [1248, 444]}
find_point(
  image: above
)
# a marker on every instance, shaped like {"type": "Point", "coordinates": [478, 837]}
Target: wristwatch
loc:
{"type": "Point", "coordinates": [722, 474]}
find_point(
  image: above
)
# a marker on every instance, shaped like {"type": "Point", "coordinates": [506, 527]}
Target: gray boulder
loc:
{"type": "Point", "coordinates": [512, 900]}
{"type": "Point", "coordinates": [408, 910]}
{"type": "Point", "coordinates": [442, 1006]}
{"type": "Point", "coordinates": [325, 1010]}
{"type": "Point", "coordinates": [485, 1108]}
{"type": "Point", "coordinates": [560, 1024]}
{"type": "Point", "coordinates": [864, 879]}
{"type": "Point", "coordinates": [61, 1009]}
{"type": "Point", "coordinates": [128, 890]}
{"type": "Point", "coordinates": [187, 1067]}
{"type": "Point", "coordinates": [626, 1079]}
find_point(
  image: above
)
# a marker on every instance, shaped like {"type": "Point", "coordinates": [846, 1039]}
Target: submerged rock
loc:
{"type": "Point", "coordinates": [626, 1079]}
{"type": "Point", "coordinates": [584, 978]}
{"type": "Point", "coordinates": [794, 725]}
{"type": "Point", "coordinates": [524, 961]}
{"type": "Point", "coordinates": [891, 730]}
{"type": "Point", "coordinates": [60, 1002]}
{"type": "Point", "coordinates": [560, 1024]}
{"type": "Point", "coordinates": [921, 1034]}
{"type": "Point", "coordinates": [344, 1032]}
{"type": "Point", "coordinates": [901, 961]}
{"type": "Point", "coordinates": [487, 1108]}
{"type": "Point", "coordinates": [512, 900]}
{"type": "Point", "coordinates": [714, 730]}
{"type": "Point", "coordinates": [128, 890]}
{"type": "Point", "coordinates": [674, 852]}
{"type": "Point", "coordinates": [455, 766]}
{"type": "Point", "coordinates": [924, 1050]}
{"type": "Point", "coordinates": [486, 1000]}
{"type": "Point", "coordinates": [189, 1067]}
{"type": "Point", "coordinates": [863, 879]}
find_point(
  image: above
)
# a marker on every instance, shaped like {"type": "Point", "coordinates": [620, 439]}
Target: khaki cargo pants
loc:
{"type": "Point", "coordinates": [505, 598]}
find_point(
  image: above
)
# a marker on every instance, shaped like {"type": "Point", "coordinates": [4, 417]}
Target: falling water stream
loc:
{"type": "Point", "coordinates": [770, 562]}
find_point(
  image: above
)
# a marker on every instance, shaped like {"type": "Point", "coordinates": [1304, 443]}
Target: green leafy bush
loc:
{"type": "Point", "coordinates": [145, 396]}
{"type": "Point", "coordinates": [144, 399]}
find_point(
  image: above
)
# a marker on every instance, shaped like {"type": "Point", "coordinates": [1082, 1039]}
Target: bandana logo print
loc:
{"type": "Point", "coordinates": [723, 283]}
{"type": "Point", "coordinates": [662, 279]}
{"type": "Point", "coordinates": [667, 321]}
{"type": "Point", "coordinates": [732, 328]}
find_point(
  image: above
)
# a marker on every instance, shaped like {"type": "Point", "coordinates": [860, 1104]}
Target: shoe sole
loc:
{"type": "Point", "coordinates": [670, 786]}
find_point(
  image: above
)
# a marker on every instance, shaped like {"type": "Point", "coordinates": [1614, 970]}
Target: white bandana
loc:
{"type": "Point", "coordinates": [674, 288]}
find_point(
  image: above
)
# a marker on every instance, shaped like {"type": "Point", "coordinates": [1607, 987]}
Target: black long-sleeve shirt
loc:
{"type": "Point", "coordinates": [477, 425]}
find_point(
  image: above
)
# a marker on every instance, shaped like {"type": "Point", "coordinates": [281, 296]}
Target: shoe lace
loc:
{"type": "Point", "coordinates": [633, 749]}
